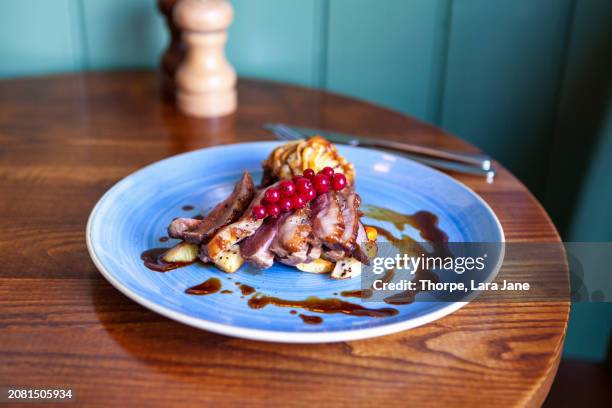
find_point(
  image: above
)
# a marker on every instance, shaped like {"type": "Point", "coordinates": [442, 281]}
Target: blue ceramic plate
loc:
{"type": "Point", "coordinates": [134, 214]}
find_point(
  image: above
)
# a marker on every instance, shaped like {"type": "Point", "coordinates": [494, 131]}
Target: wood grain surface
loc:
{"type": "Point", "coordinates": [65, 140]}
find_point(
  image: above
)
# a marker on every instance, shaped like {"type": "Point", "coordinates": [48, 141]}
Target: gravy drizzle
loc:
{"type": "Point", "coordinates": [246, 289]}
{"type": "Point", "coordinates": [207, 287]}
{"type": "Point", "coordinates": [153, 259]}
{"type": "Point", "coordinates": [360, 293]}
{"type": "Point", "coordinates": [309, 319]}
{"type": "Point", "coordinates": [423, 221]}
{"type": "Point", "coordinates": [318, 305]}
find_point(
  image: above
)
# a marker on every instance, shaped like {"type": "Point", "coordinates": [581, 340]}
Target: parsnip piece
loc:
{"type": "Point", "coordinates": [346, 268]}
{"type": "Point", "coordinates": [370, 248]}
{"type": "Point", "coordinates": [317, 266]}
{"type": "Point", "coordinates": [230, 261]}
{"type": "Point", "coordinates": [181, 253]}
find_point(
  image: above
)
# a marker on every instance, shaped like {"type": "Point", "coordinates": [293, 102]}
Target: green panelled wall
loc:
{"type": "Point", "coordinates": [529, 81]}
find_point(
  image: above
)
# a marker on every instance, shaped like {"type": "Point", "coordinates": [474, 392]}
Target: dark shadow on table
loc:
{"type": "Point", "coordinates": [581, 384]}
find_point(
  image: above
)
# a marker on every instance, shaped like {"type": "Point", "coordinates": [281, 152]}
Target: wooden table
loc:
{"type": "Point", "coordinates": [65, 140]}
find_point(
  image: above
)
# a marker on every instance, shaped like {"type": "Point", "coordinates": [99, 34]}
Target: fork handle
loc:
{"type": "Point", "coordinates": [481, 160]}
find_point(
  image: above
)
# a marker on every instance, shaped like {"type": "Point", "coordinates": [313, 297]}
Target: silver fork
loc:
{"type": "Point", "coordinates": [283, 132]}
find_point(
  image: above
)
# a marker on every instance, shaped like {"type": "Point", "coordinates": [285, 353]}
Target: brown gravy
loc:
{"type": "Point", "coordinates": [207, 287]}
{"type": "Point", "coordinates": [163, 239]}
{"type": "Point", "coordinates": [246, 289]}
{"type": "Point", "coordinates": [423, 221]}
{"type": "Point", "coordinates": [153, 259]}
{"type": "Point", "coordinates": [315, 304]}
{"type": "Point", "coordinates": [407, 296]}
{"type": "Point", "coordinates": [309, 319]}
{"type": "Point", "coordinates": [361, 294]}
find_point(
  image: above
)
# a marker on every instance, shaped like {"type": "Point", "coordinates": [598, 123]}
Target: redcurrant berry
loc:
{"type": "Point", "coordinates": [303, 184]}
{"type": "Point", "coordinates": [338, 181]}
{"type": "Point", "coordinates": [273, 210]}
{"type": "Point", "coordinates": [272, 195]}
{"type": "Point", "coordinates": [328, 171]}
{"type": "Point", "coordinates": [259, 212]}
{"type": "Point", "coordinates": [297, 202]}
{"type": "Point", "coordinates": [321, 183]}
{"type": "Point", "coordinates": [285, 204]}
{"type": "Point", "coordinates": [309, 195]}
{"type": "Point", "coordinates": [309, 173]}
{"type": "Point", "coordinates": [287, 188]}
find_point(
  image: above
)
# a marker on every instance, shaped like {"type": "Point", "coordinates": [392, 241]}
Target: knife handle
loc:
{"type": "Point", "coordinates": [453, 166]}
{"type": "Point", "coordinates": [481, 160]}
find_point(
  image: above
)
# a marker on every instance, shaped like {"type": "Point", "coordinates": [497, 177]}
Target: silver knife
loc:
{"type": "Point", "coordinates": [414, 152]}
{"type": "Point", "coordinates": [481, 160]}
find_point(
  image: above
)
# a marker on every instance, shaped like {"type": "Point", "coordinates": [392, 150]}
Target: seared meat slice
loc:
{"type": "Point", "coordinates": [360, 250]}
{"type": "Point", "coordinates": [256, 248]}
{"type": "Point", "coordinates": [180, 226]}
{"type": "Point", "coordinates": [333, 255]}
{"type": "Point", "coordinates": [327, 220]}
{"type": "Point", "coordinates": [292, 244]}
{"type": "Point", "coordinates": [233, 233]}
{"type": "Point", "coordinates": [350, 203]}
{"type": "Point", "coordinates": [336, 223]}
{"type": "Point", "coordinates": [224, 213]}
{"type": "Point", "coordinates": [314, 252]}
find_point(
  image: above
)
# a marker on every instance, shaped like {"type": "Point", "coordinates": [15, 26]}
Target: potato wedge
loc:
{"type": "Point", "coordinates": [346, 268]}
{"type": "Point", "coordinates": [181, 253]}
{"type": "Point", "coordinates": [230, 261]}
{"type": "Point", "coordinates": [371, 249]}
{"type": "Point", "coordinates": [317, 266]}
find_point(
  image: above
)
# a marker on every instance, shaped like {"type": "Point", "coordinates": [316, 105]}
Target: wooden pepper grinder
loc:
{"type": "Point", "coordinates": [174, 54]}
{"type": "Point", "coordinates": [206, 82]}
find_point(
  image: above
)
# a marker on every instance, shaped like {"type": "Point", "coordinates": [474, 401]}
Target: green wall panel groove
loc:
{"type": "Point", "coordinates": [275, 39]}
{"type": "Point", "coordinates": [385, 51]}
{"type": "Point", "coordinates": [504, 69]}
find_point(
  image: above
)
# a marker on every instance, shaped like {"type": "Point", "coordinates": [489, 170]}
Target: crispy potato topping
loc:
{"type": "Point", "coordinates": [292, 158]}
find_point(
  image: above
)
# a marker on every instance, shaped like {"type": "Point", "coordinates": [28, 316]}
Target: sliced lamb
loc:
{"type": "Point", "coordinates": [336, 223]}
{"type": "Point", "coordinates": [292, 243]}
{"type": "Point", "coordinates": [180, 226]}
{"type": "Point", "coordinates": [360, 250]}
{"type": "Point", "coordinates": [333, 255]}
{"type": "Point", "coordinates": [327, 220]}
{"type": "Point", "coordinates": [235, 232]}
{"type": "Point", "coordinates": [226, 212]}
{"type": "Point", "coordinates": [256, 248]}
{"type": "Point", "coordinates": [350, 203]}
